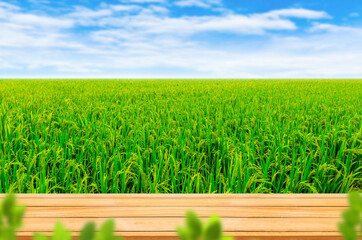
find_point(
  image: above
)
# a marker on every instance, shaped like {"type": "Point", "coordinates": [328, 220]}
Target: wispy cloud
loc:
{"type": "Point", "coordinates": [354, 14]}
{"type": "Point", "coordinates": [132, 39]}
{"type": "Point", "coordinates": [152, 24]}
{"type": "Point", "coordinates": [321, 27]}
{"type": "Point", "coordinates": [143, 1]}
{"type": "Point", "coordinates": [39, 1]}
{"type": "Point", "coordinates": [8, 6]}
{"type": "Point", "coordinates": [11, 14]}
{"type": "Point", "coordinates": [197, 3]}
{"type": "Point", "coordinates": [297, 13]}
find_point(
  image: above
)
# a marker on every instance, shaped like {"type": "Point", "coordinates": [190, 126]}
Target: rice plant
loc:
{"type": "Point", "coordinates": [180, 136]}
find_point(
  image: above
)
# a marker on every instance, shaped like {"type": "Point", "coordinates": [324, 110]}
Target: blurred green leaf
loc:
{"type": "Point", "coordinates": [60, 233]}
{"type": "Point", "coordinates": [194, 225]}
{"type": "Point", "coordinates": [351, 217]}
{"type": "Point", "coordinates": [8, 206]}
{"type": "Point", "coordinates": [107, 229]}
{"type": "Point", "coordinates": [40, 236]}
{"type": "Point", "coordinates": [227, 238]}
{"type": "Point", "coordinates": [347, 231]}
{"type": "Point", "coordinates": [213, 229]}
{"type": "Point", "coordinates": [355, 201]}
{"type": "Point", "coordinates": [9, 234]}
{"type": "Point", "coordinates": [18, 214]}
{"type": "Point", "coordinates": [196, 230]}
{"type": "Point", "coordinates": [88, 231]}
{"type": "Point", "coordinates": [11, 217]}
{"type": "Point", "coordinates": [183, 233]}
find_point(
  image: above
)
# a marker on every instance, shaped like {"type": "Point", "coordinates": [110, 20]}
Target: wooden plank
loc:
{"type": "Point", "coordinates": [116, 212]}
{"type": "Point", "coordinates": [155, 216]}
{"type": "Point", "coordinates": [233, 201]}
{"type": "Point", "coordinates": [170, 223]}
{"type": "Point", "coordinates": [173, 235]}
{"type": "Point", "coordinates": [244, 236]}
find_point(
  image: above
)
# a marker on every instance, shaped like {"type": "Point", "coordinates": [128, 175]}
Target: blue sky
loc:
{"type": "Point", "coordinates": [180, 39]}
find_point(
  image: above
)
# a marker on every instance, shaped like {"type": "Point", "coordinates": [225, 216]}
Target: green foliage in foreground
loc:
{"type": "Point", "coordinates": [196, 230]}
{"type": "Point", "coordinates": [106, 232]}
{"type": "Point", "coordinates": [11, 216]}
{"type": "Point", "coordinates": [202, 136]}
{"type": "Point", "coordinates": [352, 218]}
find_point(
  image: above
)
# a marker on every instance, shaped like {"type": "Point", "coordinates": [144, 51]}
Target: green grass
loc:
{"type": "Point", "coordinates": [201, 136]}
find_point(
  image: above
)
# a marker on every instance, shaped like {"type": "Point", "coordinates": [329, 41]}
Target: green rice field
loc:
{"type": "Point", "coordinates": [180, 136]}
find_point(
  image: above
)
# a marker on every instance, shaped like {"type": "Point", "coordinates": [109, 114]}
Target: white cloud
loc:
{"type": "Point", "coordinates": [11, 14]}
{"type": "Point", "coordinates": [197, 3]}
{"type": "Point", "coordinates": [39, 1]}
{"type": "Point", "coordinates": [83, 12]}
{"type": "Point", "coordinates": [354, 14]}
{"type": "Point", "coordinates": [124, 8]}
{"type": "Point", "coordinates": [147, 22]}
{"type": "Point", "coordinates": [296, 13]}
{"type": "Point", "coordinates": [128, 39]}
{"type": "Point", "coordinates": [333, 28]}
{"type": "Point", "coordinates": [182, 26]}
{"type": "Point", "coordinates": [5, 65]}
{"type": "Point", "coordinates": [40, 21]}
{"type": "Point", "coordinates": [25, 29]}
{"type": "Point", "coordinates": [157, 9]}
{"type": "Point", "coordinates": [8, 6]}
{"type": "Point", "coordinates": [92, 17]}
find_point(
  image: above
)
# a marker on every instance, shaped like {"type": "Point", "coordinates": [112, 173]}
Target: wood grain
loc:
{"type": "Point", "coordinates": [155, 216]}
{"type": "Point", "coordinates": [251, 212]}
{"type": "Point", "coordinates": [168, 224]}
{"type": "Point", "coordinates": [180, 200]}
